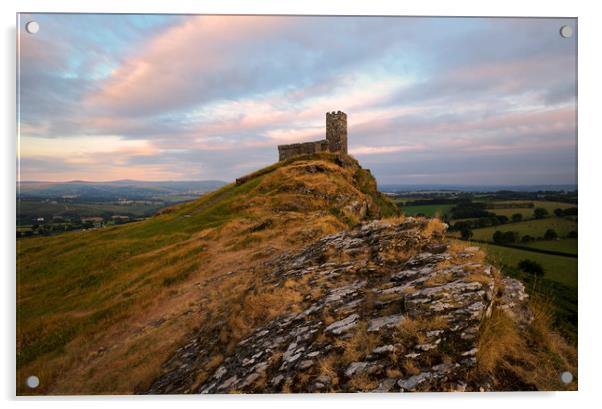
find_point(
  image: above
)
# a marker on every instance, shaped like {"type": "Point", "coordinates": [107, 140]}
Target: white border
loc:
{"type": "Point", "coordinates": [590, 228]}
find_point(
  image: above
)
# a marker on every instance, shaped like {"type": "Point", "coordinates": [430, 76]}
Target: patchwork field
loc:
{"type": "Point", "coordinates": [527, 212]}
{"type": "Point", "coordinates": [534, 228]}
{"type": "Point", "coordinates": [557, 268]}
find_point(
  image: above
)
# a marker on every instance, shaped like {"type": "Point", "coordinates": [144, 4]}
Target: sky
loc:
{"type": "Point", "coordinates": [177, 97]}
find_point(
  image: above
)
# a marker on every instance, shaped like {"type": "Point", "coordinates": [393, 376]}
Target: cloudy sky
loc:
{"type": "Point", "coordinates": [429, 100]}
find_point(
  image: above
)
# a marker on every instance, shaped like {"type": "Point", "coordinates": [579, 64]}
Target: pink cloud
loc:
{"type": "Point", "coordinates": [164, 71]}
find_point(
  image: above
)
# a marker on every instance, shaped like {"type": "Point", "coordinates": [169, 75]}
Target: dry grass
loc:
{"type": "Point", "coordinates": [479, 278]}
{"type": "Point", "coordinates": [393, 373]}
{"type": "Point", "coordinates": [530, 359]}
{"type": "Point", "coordinates": [327, 367]}
{"type": "Point", "coordinates": [362, 382]}
{"type": "Point", "coordinates": [438, 279]}
{"type": "Point", "coordinates": [412, 330]}
{"type": "Point", "coordinates": [456, 247]}
{"type": "Point", "coordinates": [359, 345]}
{"type": "Point", "coordinates": [410, 368]}
{"type": "Point", "coordinates": [434, 228]}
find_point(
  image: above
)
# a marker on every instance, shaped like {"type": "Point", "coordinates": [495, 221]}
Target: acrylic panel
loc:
{"type": "Point", "coordinates": [308, 204]}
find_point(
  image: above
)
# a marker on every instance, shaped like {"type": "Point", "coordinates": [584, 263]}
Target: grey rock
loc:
{"type": "Point", "coordinates": [376, 324]}
{"type": "Point", "coordinates": [344, 325]}
{"type": "Point", "coordinates": [410, 384]}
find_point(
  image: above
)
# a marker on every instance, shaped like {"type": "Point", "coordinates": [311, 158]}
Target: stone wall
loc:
{"type": "Point", "coordinates": [295, 149]}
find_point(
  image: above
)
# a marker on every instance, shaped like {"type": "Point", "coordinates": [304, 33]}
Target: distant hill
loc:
{"type": "Point", "coordinates": [131, 189]}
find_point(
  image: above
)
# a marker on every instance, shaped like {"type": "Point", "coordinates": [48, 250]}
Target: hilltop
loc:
{"type": "Point", "coordinates": [99, 303]}
{"type": "Point", "coordinates": [299, 277]}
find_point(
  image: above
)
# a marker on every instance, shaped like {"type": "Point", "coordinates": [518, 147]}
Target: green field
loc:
{"type": "Point", "coordinates": [527, 212]}
{"type": "Point", "coordinates": [534, 228]}
{"type": "Point", "coordinates": [427, 210]}
{"type": "Point", "coordinates": [557, 268]}
{"type": "Point", "coordinates": [39, 208]}
{"type": "Point", "coordinates": [565, 245]}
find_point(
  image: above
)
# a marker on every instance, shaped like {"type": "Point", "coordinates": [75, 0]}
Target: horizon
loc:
{"type": "Point", "coordinates": [420, 186]}
{"type": "Point", "coordinates": [464, 101]}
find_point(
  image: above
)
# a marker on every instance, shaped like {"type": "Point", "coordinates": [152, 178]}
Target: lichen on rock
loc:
{"type": "Point", "coordinates": [396, 310]}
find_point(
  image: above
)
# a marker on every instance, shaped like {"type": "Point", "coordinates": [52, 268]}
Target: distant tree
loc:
{"type": "Point", "coordinates": [466, 233]}
{"type": "Point", "coordinates": [540, 213]}
{"type": "Point", "coordinates": [550, 234]}
{"type": "Point", "coordinates": [559, 212]}
{"type": "Point", "coordinates": [531, 267]}
{"type": "Point", "coordinates": [510, 237]}
{"type": "Point", "coordinates": [498, 237]}
{"type": "Point", "coordinates": [527, 239]}
{"type": "Point", "coordinates": [502, 219]}
{"type": "Point", "coordinates": [572, 234]}
{"type": "Point", "coordinates": [571, 211]}
{"type": "Point", "coordinates": [517, 217]}
{"type": "Point", "coordinates": [464, 224]}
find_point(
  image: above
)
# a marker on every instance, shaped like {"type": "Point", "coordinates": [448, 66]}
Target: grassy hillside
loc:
{"type": "Point", "coordinates": [93, 306]}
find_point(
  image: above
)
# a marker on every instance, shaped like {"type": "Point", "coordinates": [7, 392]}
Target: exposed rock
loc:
{"type": "Point", "coordinates": [343, 325]}
{"type": "Point", "coordinates": [390, 321]}
{"type": "Point", "coordinates": [372, 281]}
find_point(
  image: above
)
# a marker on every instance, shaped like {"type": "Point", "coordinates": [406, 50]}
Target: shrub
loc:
{"type": "Point", "coordinates": [540, 213]}
{"type": "Point", "coordinates": [517, 217]}
{"type": "Point", "coordinates": [466, 233]}
{"type": "Point", "coordinates": [510, 237]}
{"type": "Point", "coordinates": [550, 234]}
{"type": "Point", "coordinates": [505, 237]}
{"type": "Point", "coordinates": [572, 234]}
{"type": "Point", "coordinates": [531, 267]}
{"type": "Point", "coordinates": [502, 219]}
{"type": "Point", "coordinates": [527, 239]}
{"type": "Point", "coordinates": [559, 212]}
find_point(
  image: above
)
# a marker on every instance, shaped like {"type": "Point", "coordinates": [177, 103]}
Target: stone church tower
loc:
{"type": "Point", "coordinates": [336, 131]}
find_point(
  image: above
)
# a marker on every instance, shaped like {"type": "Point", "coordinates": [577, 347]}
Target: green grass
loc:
{"type": "Point", "coordinates": [427, 210]}
{"type": "Point", "coordinates": [526, 212]}
{"type": "Point", "coordinates": [558, 286]}
{"type": "Point", "coordinates": [89, 272]}
{"type": "Point", "coordinates": [565, 245]}
{"type": "Point", "coordinates": [557, 268]}
{"type": "Point", "coordinates": [534, 228]}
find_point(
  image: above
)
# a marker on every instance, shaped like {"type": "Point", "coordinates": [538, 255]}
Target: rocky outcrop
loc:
{"type": "Point", "coordinates": [388, 307]}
